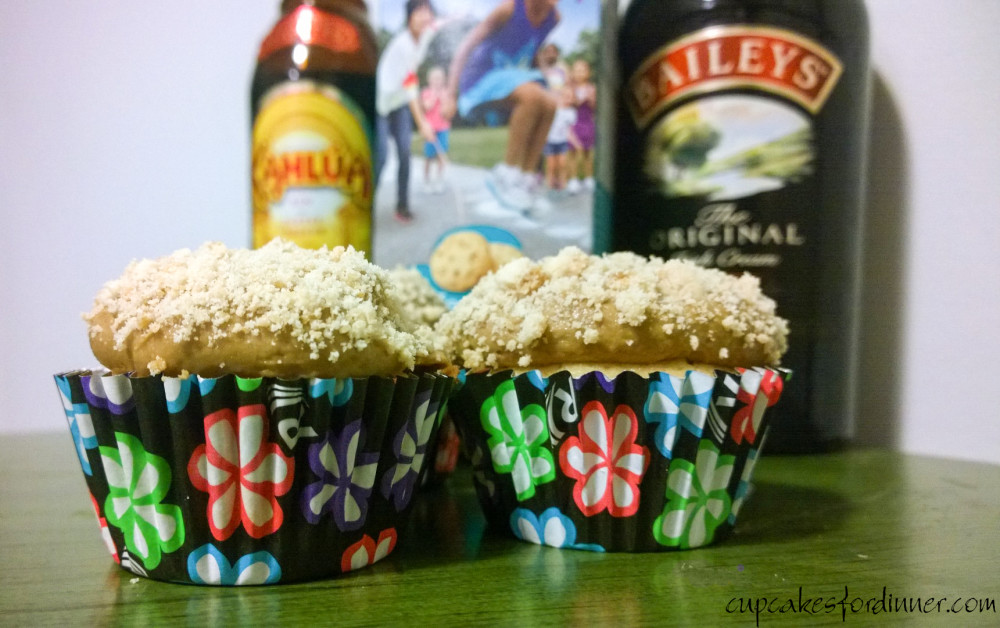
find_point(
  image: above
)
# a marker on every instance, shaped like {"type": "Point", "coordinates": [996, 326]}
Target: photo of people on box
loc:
{"type": "Point", "coordinates": [493, 102]}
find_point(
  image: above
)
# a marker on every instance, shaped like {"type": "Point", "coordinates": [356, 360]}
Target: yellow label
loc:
{"type": "Point", "coordinates": [312, 169]}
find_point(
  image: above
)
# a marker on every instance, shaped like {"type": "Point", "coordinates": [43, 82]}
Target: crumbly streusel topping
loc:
{"type": "Point", "coordinates": [525, 305]}
{"type": "Point", "coordinates": [327, 300]}
{"type": "Point", "coordinates": [420, 301]}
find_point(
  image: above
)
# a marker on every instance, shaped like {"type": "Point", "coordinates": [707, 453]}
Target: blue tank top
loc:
{"type": "Point", "coordinates": [513, 46]}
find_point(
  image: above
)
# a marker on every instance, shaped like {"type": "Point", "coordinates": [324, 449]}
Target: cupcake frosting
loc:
{"type": "Point", "coordinates": [278, 311]}
{"type": "Point", "coordinates": [613, 309]}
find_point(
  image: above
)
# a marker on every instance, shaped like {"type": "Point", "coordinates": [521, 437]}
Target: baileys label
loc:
{"type": "Point", "coordinates": [737, 56]}
{"type": "Point", "coordinates": [727, 113]}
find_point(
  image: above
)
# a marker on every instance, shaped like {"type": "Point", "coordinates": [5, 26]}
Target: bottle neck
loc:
{"type": "Point", "coordinates": [327, 5]}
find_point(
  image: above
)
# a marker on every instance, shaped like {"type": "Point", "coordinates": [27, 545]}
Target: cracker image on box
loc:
{"type": "Point", "coordinates": [461, 257]}
{"type": "Point", "coordinates": [461, 260]}
{"type": "Point", "coordinates": [504, 253]}
{"type": "Point", "coordinates": [486, 117]}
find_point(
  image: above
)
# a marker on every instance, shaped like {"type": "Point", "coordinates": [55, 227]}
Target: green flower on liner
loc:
{"type": "Point", "coordinates": [137, 482]}
{"type": "Point", "coordinates": [249, 384]}
{"type": "Point", "coordinates": [697, 500]}
{"type": "Point", "coordinates": [518, 437]}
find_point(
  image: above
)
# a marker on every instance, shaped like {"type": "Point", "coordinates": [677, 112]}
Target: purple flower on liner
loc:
{"type": "Point", "coordinates": [346, 476]}
{"type": "Point", "coordinates": [607, 384]}
{"type": "Point", "coordinates": [110, 392]}
{"type": "Point", "coordinates": [410, 447]}
{"type": "Point", "coordinates": [93, 391]}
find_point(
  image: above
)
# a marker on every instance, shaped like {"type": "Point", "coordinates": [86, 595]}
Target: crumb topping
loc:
{"type": "Point", "coordinates": [419, 300]}
{"type": "Point", "coordinates": [328, 301]}
{"type": "Point", "coordinates": [572, 303]}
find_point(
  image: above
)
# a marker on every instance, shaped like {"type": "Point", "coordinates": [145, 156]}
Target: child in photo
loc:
{"type": "Point", "coordinates": [585, 101]}
{"type": "Point", "coordinates": [561, 140]}
{"type": "Point", "coordinates": [552, 66]}
{"type": "Point", "coordinates": [397, 99]}
{"type": "Point", "coordinates": [493, 65]}
{"type": "Point", "coordinates": [436, 152]}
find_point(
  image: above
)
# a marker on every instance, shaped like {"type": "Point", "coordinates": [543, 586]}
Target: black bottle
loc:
{"type": "Point", "coordinates": [740, 144]}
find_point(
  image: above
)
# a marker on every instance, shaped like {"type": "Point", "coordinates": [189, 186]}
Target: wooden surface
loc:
{"type": "Point", "coordinates": [919, 527]}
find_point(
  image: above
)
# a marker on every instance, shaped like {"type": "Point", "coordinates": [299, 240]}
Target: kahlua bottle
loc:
{"type": "Point", "coordinates": [313, 112]}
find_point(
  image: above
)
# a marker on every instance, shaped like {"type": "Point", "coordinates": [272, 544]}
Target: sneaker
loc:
{"type": "Point", "coordinates": [573, 187]}
{"type": "Point", "coordinates": [539, 203]}
{"type": "Point", "coordinates": [403, 215]}
{"type": "Point", "coordinates": [588, 184]}
{"type": "Point", "coordinates": [509, 188]}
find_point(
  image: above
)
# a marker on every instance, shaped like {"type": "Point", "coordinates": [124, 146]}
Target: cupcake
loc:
{"type": "Point", "coordinates": [262, 416]}
{"type": "Point", "coordinates": [614, 403]}
{"type": "Point", "coordinates": [422, 303]}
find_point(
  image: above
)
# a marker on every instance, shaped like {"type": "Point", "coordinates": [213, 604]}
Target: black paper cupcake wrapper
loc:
{"type": "Point", "coordinates": [234, 481]}
{"type": "Point", "coordinates": [626, 464]}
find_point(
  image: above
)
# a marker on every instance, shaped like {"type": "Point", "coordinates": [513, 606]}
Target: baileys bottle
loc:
{"type": "Point", "coordinates": [739, 144]}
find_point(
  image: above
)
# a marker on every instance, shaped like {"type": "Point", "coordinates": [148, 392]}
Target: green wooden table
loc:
{"type": "Point", "coordinates": [880, 526]}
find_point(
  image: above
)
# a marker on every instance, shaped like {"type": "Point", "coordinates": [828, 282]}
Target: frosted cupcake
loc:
{"type": "Point", "coordinates": [262, 416]}
{"type": "Point", "coordinates": [614, 403]}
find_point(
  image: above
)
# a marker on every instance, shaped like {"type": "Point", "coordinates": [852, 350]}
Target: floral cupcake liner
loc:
{"type": "Point", "coordinates": [234, 481]}
{"type": "Point", "coordinates": [446, 454]}
{"type": "Point", "coordinates": [630, 464]}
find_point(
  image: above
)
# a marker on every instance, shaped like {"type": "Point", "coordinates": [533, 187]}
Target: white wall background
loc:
{"type": "Point", "coordinates": [124, 133]}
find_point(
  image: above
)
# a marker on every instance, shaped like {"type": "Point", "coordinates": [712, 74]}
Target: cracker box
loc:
{"type": "Point", "coordinates": [485, 133]}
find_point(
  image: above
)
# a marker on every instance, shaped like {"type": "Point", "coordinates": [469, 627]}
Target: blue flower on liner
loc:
{"type": "Point", "coordinates": [338, 391]}
{"type": "Point", "coordinates": [536, 379]}
{"type": "Point", "coordinates": [661, 407]}
{"type": "Point", "coordinates": [206, 385]}
{"type": "Point", "coordinates": [672, 403]}
{"type": "Point", "coordinates": [178, 392]}
{"type": "Point", "coordinates": [744, 488]}
{"type": "Point", "coordinates": [81, 427]}
{"type": "Point", "coordinates": [551, 528]}
{"type": "Point", "coordinates": [208, 565]}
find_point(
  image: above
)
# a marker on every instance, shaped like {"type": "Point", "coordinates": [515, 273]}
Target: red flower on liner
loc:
{"type": "Point", "coordinates": [605, 461]}
{"type": "Point", "coordinates": [366, 551]}
{"type": "Point", "coordinates": [105, 531]}
{"type": "Point", "coordinates": [241, 472]}
{"type": "Point", "coordinates": [758, 393]}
